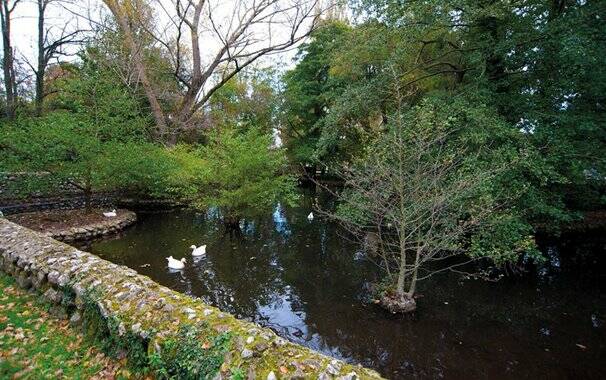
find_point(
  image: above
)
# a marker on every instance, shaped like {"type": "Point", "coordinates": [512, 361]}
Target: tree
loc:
{"type": "Point", "coordinates": [247, 32]}
{"type": "Point", "coordinates": [49, 48]}
{"type": "Point", "coordinates": [309, 93]}
{"type": "Point", "coordinates": [243, 175]}
{"type": "Point", "coordinates": [121, 14]}
{"type": "Point", "coordinates": [248, 100]}
{"type": "Point", "coordinates": [96, 140]}
{"type": "Point", "coordinates": [430, 191]}
{"type": "Point", "coordinates": [8, 58]}
{"type": "Point", "coordinates": [57, 149]}
{"type": "Point", "coordinates": [538, 62]}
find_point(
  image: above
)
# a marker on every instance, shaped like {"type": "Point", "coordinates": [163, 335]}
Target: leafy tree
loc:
{"type": "Point", "coordinates": [243, 175]}
{"type": "Point", "coordinates": [109, 110]}
{"type": "Point", "coordinates": [60, 148]}
{"type": "Point", "coordinates": [309, 90]}
{"type": "Point", "coordinates": [537, 61]}
{"type": "Point", "coordinates": [432, 188]}
{"type": "Point", "coordinates": [148, 170]}
{"type": "Point", "coordinates": [247, 100]}
{"type": "Point", "coordinates": [97, 141]}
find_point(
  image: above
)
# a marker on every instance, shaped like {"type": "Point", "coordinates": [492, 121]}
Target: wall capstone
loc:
{"type": "Point", "coordinates": [154, 312]}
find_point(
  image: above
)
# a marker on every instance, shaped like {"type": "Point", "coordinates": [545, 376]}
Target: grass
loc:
{"type": "Point", "coordinates": [36, 345]}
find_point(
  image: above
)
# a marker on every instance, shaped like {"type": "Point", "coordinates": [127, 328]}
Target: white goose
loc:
{"type": "Point", "coordinates": [110, 214]}
{"type": "Point", "coordinates": [310, 217]}
{"type": "Point", "coordinates": [198, 251]}
{"type": "Point", "coordinates": [175, 264]}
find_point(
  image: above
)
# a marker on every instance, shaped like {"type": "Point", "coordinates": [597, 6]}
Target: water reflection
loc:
{"type": "Point", "coordinates": [308, 283]}
{"type": "Point", "coordinates": [280, 221]}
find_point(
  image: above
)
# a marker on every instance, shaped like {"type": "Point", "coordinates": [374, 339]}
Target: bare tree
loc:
{"type": "Point", "coordinates": [209, 42]}
{"type": "Point", "coordinates": [8, 59]}
{"type": "Point", "coordinates": [50, 46]}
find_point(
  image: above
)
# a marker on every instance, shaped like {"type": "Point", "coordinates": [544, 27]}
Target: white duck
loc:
{"type": "Point", "coordinates": [198, 251]}
{"type": "Point", "coordinates": [310, 217]}
{"type": "Point", "coordinates": [110, 214]}
{"type": "Point", "coordinates": [175, 264]}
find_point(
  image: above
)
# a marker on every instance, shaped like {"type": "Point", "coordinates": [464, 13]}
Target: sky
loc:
{"type": "Point", "coordinates": [74, 15]}
{"type": "Point", "coordinates": [25, 23]}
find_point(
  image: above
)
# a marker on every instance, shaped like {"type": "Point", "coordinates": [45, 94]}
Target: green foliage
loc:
{"type": "Point", "coordinates": [110, 51]}
{"type": "Point", "coordinates": [534, 65]}
{"type": "Point", "coordinates": [248, 100]}
{"type": "Point", "coordinates": [504, 240]}
{"type": "Point", "coordinates": [105, 107]}
{"type": "Point", "coordinates": [96, 140]}
{"type": "Point", "coordinates": [237, 374]}
{"type": "Point", "coordinates": [62, 148]}
{"type": "Point", "coordinates": [448, 176]}
{"type": "Point", "coordinates": [186, 357]}
{"type": "Point", "coordinates": [537, 64]}
{"type": "Point", "coordinates": [59, 145]}
{"type": "Point", "coordinates": [308, 93]}
{"type": "Point", "coordinates": [243, 174]}
{"type": "Point", "coordinates": [144, 169]}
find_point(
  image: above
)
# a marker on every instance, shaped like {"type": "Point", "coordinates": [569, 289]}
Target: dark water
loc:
{"type": "Point", "coordinates": [305, 281]}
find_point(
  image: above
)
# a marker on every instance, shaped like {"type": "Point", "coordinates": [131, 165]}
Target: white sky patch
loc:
{"type": "Point", "coordinates": [80, 14]}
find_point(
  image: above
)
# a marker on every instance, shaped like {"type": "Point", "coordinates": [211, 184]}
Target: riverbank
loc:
{"type": "Point", "coordinates": [76, 224]}
{"type": "Point", "coordinates": [36, 345]}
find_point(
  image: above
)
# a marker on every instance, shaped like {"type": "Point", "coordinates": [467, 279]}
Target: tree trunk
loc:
{"type": "Point", "coordinates": [88, 200]}
{"type": "Point", "coordinates": [8, 59]}
{"type": "Point", "coordinates": [402, 270]}
{"type": "Point", "coordinates": [413, 281]}
{"type": "Point", "coordinates": [232, 223]}
{"type": "Point", "coordinates": [88, 192]}
{"type": "Point", "coordinates": [401, 301]}
{"type": "Point", "coordinates": [123, 23]}
{"type": "Point", "coordinates": [41, 69]}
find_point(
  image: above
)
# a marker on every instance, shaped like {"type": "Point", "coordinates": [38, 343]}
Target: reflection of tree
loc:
{"type": "Point", "coordinates": [280, 221]}
{"type": "Point", "coordinates": [244, 268]}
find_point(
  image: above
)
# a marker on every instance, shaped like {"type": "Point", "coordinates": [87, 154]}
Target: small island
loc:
{"type": "Point", "coordinates": [75, 224]}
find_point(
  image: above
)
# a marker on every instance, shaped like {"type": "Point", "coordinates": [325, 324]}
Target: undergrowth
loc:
{"type": "Point", "coordinates": [186, 356]}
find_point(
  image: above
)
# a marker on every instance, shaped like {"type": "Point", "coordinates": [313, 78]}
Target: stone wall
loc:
{"type": "Point", "coordinates": [152, 312]}
{"type": "Point", "coordinates": [63, 202]}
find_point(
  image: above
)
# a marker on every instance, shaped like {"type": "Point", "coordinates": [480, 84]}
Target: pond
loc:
{"type": "Point", "coordinates": [308, 283]}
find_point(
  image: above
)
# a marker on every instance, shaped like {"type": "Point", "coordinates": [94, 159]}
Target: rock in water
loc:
{"type": "Point", "coordinates": [398, 304]}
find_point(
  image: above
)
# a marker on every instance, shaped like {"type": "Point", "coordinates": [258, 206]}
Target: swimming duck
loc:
{"type": "Point", "coordinates": [198, 251]}
{"type": "Point", "coordinates": [310, 216]}
{"type": "Point", "coordinates": [175, 264]}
